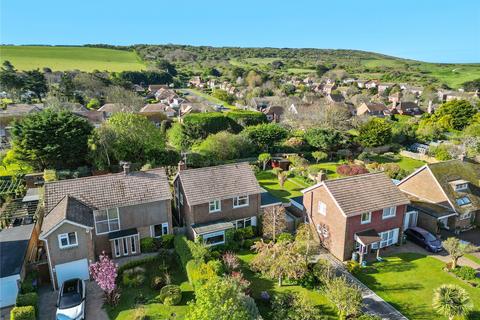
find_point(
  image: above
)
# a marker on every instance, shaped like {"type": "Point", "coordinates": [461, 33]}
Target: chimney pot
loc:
{"type": "Point", "coordinates": [182, 165]}
{"type": "Point", "coordinates": [126, 167]}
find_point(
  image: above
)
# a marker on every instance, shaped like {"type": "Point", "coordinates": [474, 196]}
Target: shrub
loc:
{"type": "Point", "coordinates": [309, 280]}
{"type": "Point", "coordinates": [170, 295]}
{"type": "Point", "coordinates": [353, 266]}
{"type": "Point", "coordinates": [27, 299]}
{"type": "Point", "coordinates": [27, 283]}
{"type": "Point", "coordinates": [247, 244]}
{"type": "Point", "coordinates": [156, 283]}
{"type": "Point", "coordinates": [23, 313]}
{"type": "Point", "coordinates": [148, 245]}
{"type": "Point", "coordinates": [136, 263]}
{"type": "Point", "coordinates": [230, 261]}
{"type": "Point", "coordinates": [351, 169]}
{"type": "Point", "coordinates": [183, 250]}
{"type": "Point", "coordinates": [167, 241]}
{"type": "Point", "coordinates": [140, 314]}
{"type": "Point", "coordinates": [133, 279]}
{"type": "Point", "coordinates": [285, 236]}
{"type": "Point", "coordinates": [465, 273]}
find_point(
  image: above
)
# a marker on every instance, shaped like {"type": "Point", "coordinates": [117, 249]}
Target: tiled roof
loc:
{"type": "Point", "coordinates": [70, 209]}
{"type": "Point", "coordinates": [110, 190]}
{"type": "Point", "coordinates": [365, 193]}
{"type": "Point", "coordinates": [154, 107]}
{"type": "Point", "coordinates": [449, 171]}
{"type": "Point", "coordinates": [220, 182]}
{"type": "Point", "coordinates": [13, 247]}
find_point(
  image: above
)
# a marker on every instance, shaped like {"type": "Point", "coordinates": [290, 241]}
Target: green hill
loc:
{"type": "Point", "coordinates": [70, 58]}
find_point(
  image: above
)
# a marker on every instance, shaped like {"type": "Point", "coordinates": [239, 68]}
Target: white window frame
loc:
{"type": "Point", "coordinates": [389, 215]}
{"type": "Point", "coordinates": [388, 238]}
{"type": "Point", "coordinates": [251, 219]}
{"type": "Point", "coordinates": [241, 198]}
{"type": "Point", "coordinates": [65, 236]}
{"type": "Point", "coordinates": [211, 235]}
{"type": "Point", "coordinates": [322, 208]}
{"type": "Point", "coordinates": [368, 220]}
{"type": "Point", "coordinates": [109, 221]}
{"type": "Point", "coordinates": [461, 187]}
{"type": "Point", "coordinates": [125, 246]}
{"type": "Point", "coordinates": [116, 247]}
{"type": "Point", "coordinates": [463, 203]}
{"type": "Point", "coordinates": [133, 244]}
{"type": "Point", "coordinates": [216, 208]}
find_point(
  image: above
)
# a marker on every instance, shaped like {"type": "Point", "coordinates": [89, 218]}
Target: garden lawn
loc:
{"type": "Point", "coordinates": [407, 282]}
{"type": "Point", "coordinates": [210, 98]}
{"type": "Point", "coordinates": [473, 258]}
{"type": "Point", "coordinates": [330, 168]}
{"type": "Point", "coordinates": [125, 310]}
{"type": "Point", "coordinates": [259, 284]}
{"type": "Point", "coordinates": [407, 164]}
{"type": "Point", "coordinates": [291, 189]}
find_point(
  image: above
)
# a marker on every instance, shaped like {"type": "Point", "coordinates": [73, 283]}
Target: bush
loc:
{"type": "Point", "coordinates": [353, 266]}
{"type": "Point", "coordinates": [140, 314]}
{"type": "Point", "coordinates": [136, 263]}
{"type": "Point", "coordinates": [180, 244]}
{"type": "Point", "coordinates": [170, 295]}
{"type": "Point", "coordinates": [156, 283]}
{"type": "Point", "coordinates": [148, 245]}
{"type": "Point", "coordinates": [23, 313]}
{"type": "Point", "coordinates": [309, 280]}
{"type": "Point", "coordinates": [133, 277]}
{"type": "Point", "coordinates": [247, 244]}
{"type": "Point", "coordinates": [27, 299]}
{"type": "Point", "coordinates": [27, 283]}
{"type": "Point", "coordinates": [244, 233]}
{"type": "Point", "coordinates": [285, 236]}
{"type": "Point", "coordinates": [167, 241]}
{"type": "Point", "coordinates": [465, 273]}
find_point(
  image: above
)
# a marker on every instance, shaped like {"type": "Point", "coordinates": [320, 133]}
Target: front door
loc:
{"type": "Point", "coordinates": [410, 220]}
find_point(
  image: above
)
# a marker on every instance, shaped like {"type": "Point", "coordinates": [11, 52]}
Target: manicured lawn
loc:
{"type": "Point", "coordinates": [70, 58]}
{"type": "Point", "coordinates": [268, 180]}
{"type": "Point", "coordinates": [407, 164]}
{"type": "Point", "coordinates": [407, 281]}
{"type": "Point", "coordinates": [330, 168]}
{"type": "Point", "coordinates": [210, 98]}
{"type": "Point", "coordinates": [259, 284]}
{"type": "Point", "coordinates": [125, 310]}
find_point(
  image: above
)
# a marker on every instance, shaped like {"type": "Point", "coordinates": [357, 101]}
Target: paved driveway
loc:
{"type": "Point", "coordinates": [94, 303]}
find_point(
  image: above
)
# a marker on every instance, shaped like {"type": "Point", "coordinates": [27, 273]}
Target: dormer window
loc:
{"type": "Point", "coordinates": [460, 185]}
{"type": "Point", "coordinates": [463, 201]}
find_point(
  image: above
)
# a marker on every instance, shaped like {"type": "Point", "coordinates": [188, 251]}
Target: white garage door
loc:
{"type": "Point", "coordinates": [72, 270]}
{"type": "Point", "coordinates": [8, 290]}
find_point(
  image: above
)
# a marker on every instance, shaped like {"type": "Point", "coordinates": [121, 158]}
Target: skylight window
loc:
{"type": "Point", "coordinates": [463, 201]}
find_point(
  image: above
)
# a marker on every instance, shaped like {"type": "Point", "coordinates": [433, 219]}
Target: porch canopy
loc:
{"type": "Point", "coordinates": [219, 225]}
{"type": "Point", "coordinates": [122, 233]}
{"type": "Point", "coordinates": [367, 237]}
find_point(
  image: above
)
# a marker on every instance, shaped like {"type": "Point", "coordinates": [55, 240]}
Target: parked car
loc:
{"type": "Point", "coordinates": [424, 239]}
{"type": "Point", "coordinates": [71, 300]}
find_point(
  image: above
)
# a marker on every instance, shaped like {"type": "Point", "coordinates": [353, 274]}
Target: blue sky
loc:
{"type": "Point", "coordinates": [428, 30]}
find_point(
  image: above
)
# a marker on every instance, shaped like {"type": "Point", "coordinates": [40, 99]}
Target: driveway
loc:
{"type": "Point", "coordinates": [442, 256]}
{"type": "Point", "coordinates": [93, 308]}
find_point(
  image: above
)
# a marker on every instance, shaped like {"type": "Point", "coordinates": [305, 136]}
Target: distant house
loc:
{"type": "Point", "coordinates": [371, 84]}
{"type": "Point", "coordinates": [158, 108]}
{"type": "Point", "coordinates": [384, 86]}
{"type": "Point", "coordinates": [138, 88]}
{"type": "Point", "coordinates": [211, 200]}
{"type": "Point", "coordinates": [95, 117]}
{"type": "Point", "coordinates": [196, 82]}
{"type": "Point", "coordinates": [372, 108]}
{"type": "Point", "coordinates": [155, 87]}
{"type": "Point", "coordinates": [361, 83]}
{"type": "Point", "coordinates": [395, 97]}
{"type": "Point", "coordinates": [419, 148]}
{"type": "Point", "coordinates": [409, 108]}
{"type": "Point", "coordinates": [110, 109]}
{"type": "Point", "coordinates": [328, 88]}
{"type": "Point", "coordinates": [165, 95]}
{"type": "Point", "coordinates": [412, 89]}
{"type": "Point", "coordinates": [450, 189]}
{"type": "Point", "coordinates": [361, 214]}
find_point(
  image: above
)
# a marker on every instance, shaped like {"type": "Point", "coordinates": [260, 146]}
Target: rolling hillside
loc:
{"type": "Point", "coordinates": [70, 58]}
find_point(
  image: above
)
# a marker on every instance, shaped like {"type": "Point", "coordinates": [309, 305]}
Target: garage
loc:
{"type": "Point", "coordinates": [9, 290]}
{"type": "Point", "coordinates": [71, 270]}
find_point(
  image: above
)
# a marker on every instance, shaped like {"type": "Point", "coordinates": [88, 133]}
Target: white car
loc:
{"type": "Point", "coordinates": [71, 300]}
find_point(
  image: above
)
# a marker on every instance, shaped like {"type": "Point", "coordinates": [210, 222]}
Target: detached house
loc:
{"type": "Point", "coordinates": [111, 213]}
{"type": "Point", "coordinates": [212, 200]}
{"type": "Point", "coordinates": [359, 214]}
{"type": "Point", "coordinates": [372, 109]}
{"type": "Point", "coordinates": [445, 194]}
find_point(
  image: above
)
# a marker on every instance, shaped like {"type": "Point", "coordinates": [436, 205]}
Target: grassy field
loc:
{"type": "Point", "coordinates": [291, 189]}
{"type": "Point", "coordinates": [407, 282]}
{"type": "Point", "coordinates": [70, 58]}
{"type": "Point", "coordinates": [208, 97]}
{"type": "Point", "coordinates": [259, 284]}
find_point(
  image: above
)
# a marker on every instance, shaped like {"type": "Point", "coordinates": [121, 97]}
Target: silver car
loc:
{"type": "Point", "coordinates": [71, 300]}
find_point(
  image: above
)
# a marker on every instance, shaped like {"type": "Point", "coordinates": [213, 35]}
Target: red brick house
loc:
{"type": "Point", "coordinates": [360, 214]}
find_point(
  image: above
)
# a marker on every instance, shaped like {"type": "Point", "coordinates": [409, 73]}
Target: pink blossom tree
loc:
{"type": "Point", "coordinates": [105, 272]}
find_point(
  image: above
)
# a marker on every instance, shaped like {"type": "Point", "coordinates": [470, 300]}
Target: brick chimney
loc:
{"type": "Point", "coordinates": [182, 165]}
{"type": "Point", "coordinates": [321, 176]}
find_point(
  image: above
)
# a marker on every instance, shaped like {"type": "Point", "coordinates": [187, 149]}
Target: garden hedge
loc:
{"type": "Point", "coordinates": [23, 313]}
{"type": "Point", "coordinates": [27, 299]}
{"type": "Point", "coordinates": [183, 250]}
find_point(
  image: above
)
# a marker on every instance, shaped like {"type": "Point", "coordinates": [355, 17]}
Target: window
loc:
{"type": "Point", "coordinates": [465, 216]}
{"type": "Point", "coordinates": [389, 212]}
{"type": "Point", "coordinates": [133, 244]}
{"type": "Point", "coordinates": [107, 221]}
{"type": "Point", "coordinates": [388, 237]}
{"type": "Point", "coordinates": [116, 244]}
{"type": "Point", "coordinates": [366, 217]}
{"type": "Point", "coordinates": [463, 201]}
{"type": "Point", "coordinates": [241, 201]}
{"type": "Point", "coordinates": [214, 238]}
{"type": "Point", "coordinates": [181, 198]}
{"type": "Point", "coordinates": [67, 240]}
{"type": "Point", "coordinates": [159, 230]}
{"type": "Point", "coordinates": [214, 206]}
{"type": "Point", "coordinates": [322, 208]}
{"type": "Point", "coordinates": [461, 186]}
{"type": "Point", "coordinates": [125, 246]}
